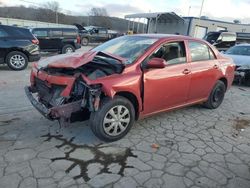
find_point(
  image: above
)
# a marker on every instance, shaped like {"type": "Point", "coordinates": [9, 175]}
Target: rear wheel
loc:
{"type": "Point", "coordinates": [216, 96]}
{"type": "Point", "coordinates": [113, 120]}
{"type": "Point", "coordinates": [17, 60]}
{"type": "Point", "coordinates": [67, 49]}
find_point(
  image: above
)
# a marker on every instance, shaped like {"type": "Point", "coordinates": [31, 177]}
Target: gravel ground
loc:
{"type": "Point", "coordinates": [190, 147]}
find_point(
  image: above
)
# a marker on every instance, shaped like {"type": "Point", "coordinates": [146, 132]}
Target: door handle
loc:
{"type": "Point", "coordinates": [216, 66]}
{"type": "Point", "coordinates": [186, 71]}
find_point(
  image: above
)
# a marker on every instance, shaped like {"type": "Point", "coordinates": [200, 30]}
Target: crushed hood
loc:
{"type": "Point", "coordinates": [74, 60]}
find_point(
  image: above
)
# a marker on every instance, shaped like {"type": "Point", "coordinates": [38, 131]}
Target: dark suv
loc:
{"type": "Point", "coordinates": [17, 47]}
{"type": "Point", "coordinates": [62, 40]}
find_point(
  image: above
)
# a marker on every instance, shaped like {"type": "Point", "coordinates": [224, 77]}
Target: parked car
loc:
{"type": "Point", "coordinates": [241, 56]}
{"type": "Point", "coordinates": [128, 78]}
{"type": "Point", "coordinates": [95, 34]}
{"type": "Point", "coordinates": [224, 39]}
{"type": "Point", "coordinates": [62, 40]}
{"type": "Point", "coordinates": [17, 47]}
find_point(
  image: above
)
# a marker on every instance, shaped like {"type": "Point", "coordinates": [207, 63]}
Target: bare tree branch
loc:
{"type": "Point", "coordinates": [52, 5]}
{"type": "Point", "coordinates": [98, 12]}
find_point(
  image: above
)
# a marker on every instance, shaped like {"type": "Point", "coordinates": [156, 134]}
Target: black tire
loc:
{"type": "Point", "coordinates": [216, 96]}
{"type": "Point", "coordinates": [68, 48]}
{"type": "Point", "coordinates": [97, 118]}
{"type": "Point", "coordinates": [16, 60]}
{"type": "Point", "coordinates": [85, 41]}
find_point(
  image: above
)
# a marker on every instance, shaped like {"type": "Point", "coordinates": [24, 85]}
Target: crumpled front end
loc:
{"type": "Point", "coordinates": [62, 97]}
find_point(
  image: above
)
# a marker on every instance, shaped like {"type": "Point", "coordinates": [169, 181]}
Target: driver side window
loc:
{"type": "Point", "coordinates": [172, 53]}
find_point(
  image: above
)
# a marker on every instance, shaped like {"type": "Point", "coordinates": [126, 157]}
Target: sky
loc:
{"type": "Point", "coordinates": [227, 10]}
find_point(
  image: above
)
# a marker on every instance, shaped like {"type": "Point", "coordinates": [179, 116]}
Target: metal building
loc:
{"type": "Point", "coordinates": [171, 23]}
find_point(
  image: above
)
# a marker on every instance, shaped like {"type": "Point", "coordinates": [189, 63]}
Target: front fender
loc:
{"type": "Point", "coordinates": [111, 85]}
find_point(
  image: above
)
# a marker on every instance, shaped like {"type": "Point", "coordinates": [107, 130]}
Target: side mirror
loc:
{"type": "Point", "coordinates": [156, 63]}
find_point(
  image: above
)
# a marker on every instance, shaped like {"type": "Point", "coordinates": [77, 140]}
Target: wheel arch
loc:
{"type": "Point", "coordinates": [132, 98]}
{"type": "Point", "coordinates": [15, 49]}
{"type": "Point", "coordinates": [224, 80]}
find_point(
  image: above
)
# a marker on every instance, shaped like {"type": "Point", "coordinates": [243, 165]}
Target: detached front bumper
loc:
{"type": "Point", "coordinates": [58, 112]}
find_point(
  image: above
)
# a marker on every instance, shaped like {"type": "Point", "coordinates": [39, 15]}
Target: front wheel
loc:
{"type": "Point", "coordinates": [113, 120]}
{"type": "Point", "coordinates": [216, 96]}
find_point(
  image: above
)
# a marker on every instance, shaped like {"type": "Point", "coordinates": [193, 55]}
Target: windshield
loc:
{"type": "Point", "coordinates": [239, 50]}
{"type": "Point", "coordinates": [128, 47]}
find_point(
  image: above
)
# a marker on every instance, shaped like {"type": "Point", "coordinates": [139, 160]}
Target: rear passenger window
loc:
{"type": "Point", "coordinates": [69, 32]}
{"type": "Point", "coordinates": [40, 33]}
{"type": "Point", "coordinates": [56, 33]}
{"type": "Point", "coordinates": [102, 31]}
{"type": "Point", "coordinates": [200, 52]}
{"type": "Point", "coordinates": [3, 33]}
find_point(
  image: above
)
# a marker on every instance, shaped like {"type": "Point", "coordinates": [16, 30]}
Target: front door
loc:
{"type": "Point", "coordinates": [167, 87]}
{"type": "Point", "coordinates": [42, 35]}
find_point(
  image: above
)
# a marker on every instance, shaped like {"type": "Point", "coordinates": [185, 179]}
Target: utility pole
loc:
{"type": "Point", "coordinates": [199, 21]}
{"type": "Point", "coordinates": [189, 9]}
{"type": "Point", "coordinates": [56, 17]}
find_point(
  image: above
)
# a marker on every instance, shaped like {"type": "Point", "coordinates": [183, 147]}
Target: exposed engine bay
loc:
{"type": "Point", "coordinates": [83, 98]}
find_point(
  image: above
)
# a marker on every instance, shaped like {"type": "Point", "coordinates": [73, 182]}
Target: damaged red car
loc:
{"type": "Point", "coordinates": [128, 78]}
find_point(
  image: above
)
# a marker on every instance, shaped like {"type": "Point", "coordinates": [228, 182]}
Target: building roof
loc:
{"type": "Point", "coordinates": [219, 21]}
{"type": "Point", "coordinates": [157, 15]}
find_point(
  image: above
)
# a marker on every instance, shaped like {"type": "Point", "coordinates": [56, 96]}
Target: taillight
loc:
{"type": "Point", "coordinates": [35, 41]}
{"type": "Point", "coordinates": [78, 39]}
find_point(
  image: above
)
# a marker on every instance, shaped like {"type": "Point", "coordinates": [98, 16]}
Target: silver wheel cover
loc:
{"type": "Point", "coordinates": [116, 120]}
{"type": "Point", "coordinates": [17, 61]}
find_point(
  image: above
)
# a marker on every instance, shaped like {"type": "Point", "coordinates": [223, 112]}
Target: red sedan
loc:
{"type": "Point", "coordinates": [128, 78]}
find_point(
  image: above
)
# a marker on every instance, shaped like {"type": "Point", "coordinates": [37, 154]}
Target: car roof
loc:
{"type": "Point", "coordinates": [166, 36]}
{"type": "Point", "coordinates": [12, 27]}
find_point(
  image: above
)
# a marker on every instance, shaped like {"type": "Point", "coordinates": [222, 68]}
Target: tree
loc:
{"type": "Point", "coordinates": [98, 12]}
{"type": "Point", "coordinates": [54, 6]}
{"type": "Point", "coordinates": [237, 21]}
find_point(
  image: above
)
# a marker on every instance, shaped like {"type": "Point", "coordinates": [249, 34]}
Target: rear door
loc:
{"type": "Point", "coordinates": [204, 70]}
{"type": "Point", "coordinates": [3, 44]}
{"type": "Point", "coordinates": [69, 36]}
{"type": "Point", "coordinates": [56, 38]}
{"type": "Point", "coordinates": [43, 36]}
{"type": "Point", "coordinates": [167, 87]}
{"type": "Point", "coordinates": [103, 34]}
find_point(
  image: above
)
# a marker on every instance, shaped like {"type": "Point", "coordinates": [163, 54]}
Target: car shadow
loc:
{"type": "Point", "coordinates": [4, 68]}
{"type": "Point", "coordinates": [80, 131]}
